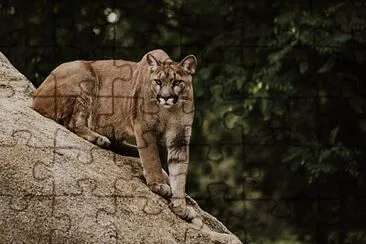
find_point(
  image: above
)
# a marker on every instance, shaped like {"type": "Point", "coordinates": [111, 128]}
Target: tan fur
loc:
{"type": "Point", "coordinates": [113, 100]}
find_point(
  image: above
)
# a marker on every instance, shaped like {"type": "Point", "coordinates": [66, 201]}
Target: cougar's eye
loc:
{"type": "Point", "coordinates": [176, 82]}
{"type": "Point", "coordinates": [158, 82]}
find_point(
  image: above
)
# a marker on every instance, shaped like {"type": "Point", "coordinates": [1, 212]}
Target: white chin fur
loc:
{"type": "Point", "coordinates": [166, 105]}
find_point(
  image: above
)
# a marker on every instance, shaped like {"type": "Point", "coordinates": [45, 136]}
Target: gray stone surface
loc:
{"type": "Point", "coordinates": [58, 188]}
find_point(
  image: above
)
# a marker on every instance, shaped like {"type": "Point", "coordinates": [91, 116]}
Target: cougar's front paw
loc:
{"type": "Point", "coordinates": [183, 211]}
{"type": "Point", "coordinates": [163, 190]}
{"type": "Point", "coordinates": [103, 141]}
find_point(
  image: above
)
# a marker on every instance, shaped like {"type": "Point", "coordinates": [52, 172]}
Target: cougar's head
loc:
{"type": "Point", "coordinates": [171, 82]}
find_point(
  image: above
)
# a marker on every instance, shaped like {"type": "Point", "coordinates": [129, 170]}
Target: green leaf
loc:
{"type": "Point", "coordinates": [324, 155]}
{"type": "Point", "coordinates": [329, 64]}
{"type": "Point", "coordinates": [265, 108]}
{"type": "Point", "coordinates": [333, 134]}
{"type": "Point", "coordinates": [303, 66]}
{"type": "Point", "coordinates": [341, 37]}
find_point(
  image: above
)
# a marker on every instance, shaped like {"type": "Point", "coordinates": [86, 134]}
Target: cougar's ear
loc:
{"type": "Point", "coordinates": [153, 63]}
{"type": "Point", "coordinates": [189, 63]}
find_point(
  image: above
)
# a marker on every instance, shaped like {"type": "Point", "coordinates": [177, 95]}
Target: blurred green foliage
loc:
{"type": "Point", "coordinates": [279, 137]}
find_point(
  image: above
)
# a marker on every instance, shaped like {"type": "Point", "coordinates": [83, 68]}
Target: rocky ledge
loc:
{"type": "Point", "coordinates": [58, 188]}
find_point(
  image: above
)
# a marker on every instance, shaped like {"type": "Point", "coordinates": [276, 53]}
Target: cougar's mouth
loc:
{"type": "Point", "coordinates": [167, 102]}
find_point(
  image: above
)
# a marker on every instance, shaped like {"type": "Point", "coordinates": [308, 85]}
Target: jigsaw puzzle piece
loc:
{"type": "Point", "coordinates": [270, 132]}
{"type": "Point", "coordinates": [114, 98]}
{"type": "Point", "coordinates": [267, 176]}
{"type": "Point", "coordinates": [12, 83]}
{"type": "Point", "coordinates": [31, 218]}
{"type": "Point", "coordinates": [238, 124]}
{"type": "Point", "coordinates": [14, 173]}
{"type": "Point", "coordinates": [139, 207]}
{"type": "Point", "coordinates": [281, 210]}
{"type": "Point", "coordinates": [208, 236]}
{"type": "Point", "coordinates": [48, 59]}
{"type": "Point", "coordinates": [6, 91]}
{"type": "Point", "coordinates": [72, 164]}
{"type": "Point", "coordinates": [214, 163]}
{"type": "Point", "coordinates": [63, 148]}
{"type": "Point", "coordinates": [212, 125]}
{"type": "Point", "coordinates": [267, 218]}
{"type": "Point", "coordinates": [223, 192]}
{"type": "Point", "coordinates": [114, 174]}
{"type": "Point", "coordinates": [252, 218]}
{"type": "Point", "coordinates": [131, 187]}
{"type": "Point", "coordinates": [230, 73]}
{"type": "Point", "coordinates": [83, 209]}
{"type": "Point", "coordinates": [305, 125]}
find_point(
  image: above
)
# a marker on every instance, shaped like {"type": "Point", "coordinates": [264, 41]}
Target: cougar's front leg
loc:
{"type": "Point", "coordinates": [79, 122]}
{"type": "Point", "coordinates": [178, 158]}
{"type": "Point", "coordinates": [149, 155]}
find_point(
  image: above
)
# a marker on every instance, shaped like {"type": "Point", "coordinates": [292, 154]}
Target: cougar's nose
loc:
{"type": "Point", "coordinates": [168, 99]}
{"type": "Point", "coordinates": [165, 93]}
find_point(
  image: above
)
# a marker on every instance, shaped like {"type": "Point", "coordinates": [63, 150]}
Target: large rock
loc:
{"type": "Point", "coordinates": [58, 188]}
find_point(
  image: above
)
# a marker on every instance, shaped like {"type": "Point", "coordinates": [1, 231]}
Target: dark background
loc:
{"type": "Point", "coordinates": [278, 148]}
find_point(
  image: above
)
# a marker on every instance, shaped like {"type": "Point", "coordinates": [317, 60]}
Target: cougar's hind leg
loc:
{"type": "Point", "coordinates": [79, 122]}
